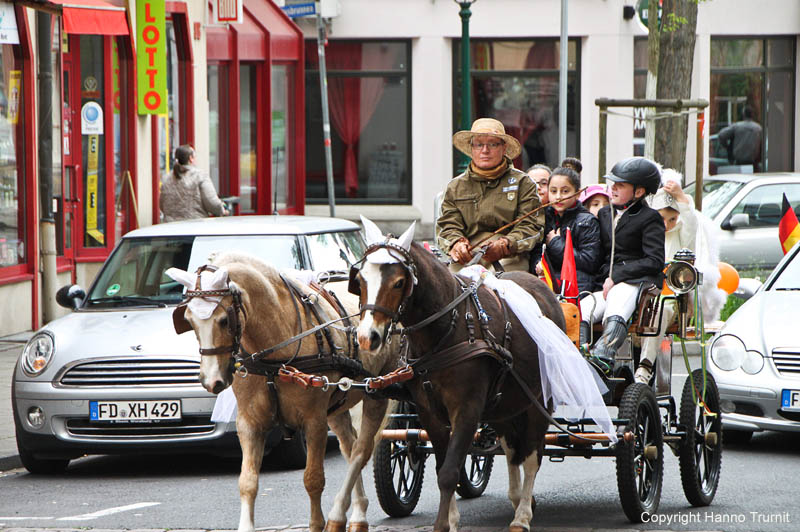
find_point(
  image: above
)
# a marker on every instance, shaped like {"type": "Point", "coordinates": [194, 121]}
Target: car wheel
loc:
{"type": "Point", "coordinates": [41, 466]}
{"type": "Point", "coordinates": [291, 453]}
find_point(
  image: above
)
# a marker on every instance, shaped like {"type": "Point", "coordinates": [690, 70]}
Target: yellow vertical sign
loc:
{"type": "Point", "coordinates": [91, 189]}
{"type": "Point", "coordinates": [14, 86]}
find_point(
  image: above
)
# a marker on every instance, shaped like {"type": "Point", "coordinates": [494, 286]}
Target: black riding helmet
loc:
{"type": "Point", "coordinates": [638, 171]}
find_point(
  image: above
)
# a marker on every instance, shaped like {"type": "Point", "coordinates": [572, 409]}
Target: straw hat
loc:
{"type": "Point", "coordinates": [486, 126]}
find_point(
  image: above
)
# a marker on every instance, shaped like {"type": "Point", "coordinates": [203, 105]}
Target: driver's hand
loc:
{"type": "Point", "coordinates": [497, 249]}
{"type": "Point", "coordinates": [460, 252]}
{"type": "Point", "coordinates": [608, 284]}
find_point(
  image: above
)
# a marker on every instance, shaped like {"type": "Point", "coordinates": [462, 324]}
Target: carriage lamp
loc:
{"type": "Point", "coordinates": [35, 417]}
{"type": "Point", "coordinates": [681, 277]}
{"type": "Point", "coordinates": [38, 353]}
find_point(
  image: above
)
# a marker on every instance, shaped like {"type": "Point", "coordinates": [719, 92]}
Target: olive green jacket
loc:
{"type": "Point", "coordinates": [473, 204]}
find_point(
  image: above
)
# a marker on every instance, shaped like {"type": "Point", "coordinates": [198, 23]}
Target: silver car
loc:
{"type": "Point", "coordinates": [747, 208]}
{"type": "Point", "coordinates": [112, 376]}
{"type": "Point", "coordinates": [755, 357]}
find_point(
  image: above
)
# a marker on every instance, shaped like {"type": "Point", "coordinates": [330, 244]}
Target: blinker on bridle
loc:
{"type": "Point", "coordinates": [404, 258]}
{"type": "Point", "coordinates": [232, 312]}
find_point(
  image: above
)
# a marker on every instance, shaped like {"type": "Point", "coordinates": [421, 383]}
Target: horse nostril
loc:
{"type": "Point", "coordinates": [218, 387]}
{"type": "Point", "coordinates": [374, 340]}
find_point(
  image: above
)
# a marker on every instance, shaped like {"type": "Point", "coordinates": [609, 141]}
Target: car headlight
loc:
{"type": "Point", "coordinates": [728, 352]}
{"type": "Point", "coordinates": [38, 353]}
{"type": "Point", "coordinates": [753, 362]}
{"type": "Point", "coordinates": [681, 277]}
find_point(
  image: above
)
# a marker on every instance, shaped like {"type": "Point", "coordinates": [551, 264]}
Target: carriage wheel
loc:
{"type": "Point", "coordinates": [700, 453]}
{"type": "Point", "coordinates": [640, 462]}
{"type": "Point", "coordinates": [474, 476]}
{"type": "Point", "coordinates": [399, 468]}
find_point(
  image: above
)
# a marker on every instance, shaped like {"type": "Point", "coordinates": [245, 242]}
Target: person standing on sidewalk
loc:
{"type": "Point", "coordinates": [187, 192]}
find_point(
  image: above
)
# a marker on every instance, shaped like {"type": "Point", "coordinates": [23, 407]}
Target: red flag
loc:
{"type": "Point", "coordinates": [788, 227]}
{"type": "Point", "coordinates": [569, 273]}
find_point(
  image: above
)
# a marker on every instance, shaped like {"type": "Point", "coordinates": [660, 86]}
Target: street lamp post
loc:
{"type": "Point", "coordinates": [466, 107]}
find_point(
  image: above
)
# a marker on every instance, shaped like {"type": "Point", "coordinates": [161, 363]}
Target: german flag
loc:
{"type": "Point", "coordinates": [548, 275]}
{"type": "Point", "coordinates": [788, 228]}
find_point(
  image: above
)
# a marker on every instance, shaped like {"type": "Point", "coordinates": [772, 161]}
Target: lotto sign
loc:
{"type": "Point", "coordinates": [229, 11]}
{"type": "Point", "coordinates": [151, 57]}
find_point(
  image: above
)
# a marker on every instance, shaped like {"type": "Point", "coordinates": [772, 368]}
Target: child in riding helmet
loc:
{"type": "Point", "coordinates": [686, 228]}
{"type": "Point", "coordinates": [568, 213]}
{"type": "Point", "coordinates": [594, 198]}
{"type": "Point", "coordinates": [632, 236]}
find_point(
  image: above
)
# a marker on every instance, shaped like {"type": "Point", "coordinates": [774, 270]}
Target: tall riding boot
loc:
{"type": "Point", "coordinates": [615, 331]}
{"type": "Point", "coordinates": [585, 333]}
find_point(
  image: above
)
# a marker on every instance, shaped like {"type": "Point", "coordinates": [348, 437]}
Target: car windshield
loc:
{"type": "Point", "coordinates": [716, 194]}
{"type": "Point", "coordinates": [789, 276]}
{"type": "Point", "coordinates": [134, 274]}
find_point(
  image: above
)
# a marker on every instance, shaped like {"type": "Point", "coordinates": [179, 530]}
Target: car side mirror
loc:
{"type": "Point", "coordinates": [70, 296]}
{"type": "Point", "coordinates": [747, 288]}
{"type": "Point", "coordinates": [736, 221]}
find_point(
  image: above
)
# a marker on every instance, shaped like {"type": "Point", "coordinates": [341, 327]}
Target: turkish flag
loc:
{"type": "Point", "coordinates": [569, 273]}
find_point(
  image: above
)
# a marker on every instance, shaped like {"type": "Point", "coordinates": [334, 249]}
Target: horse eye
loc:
{"type": "Point", "coordinates": [223, 322]}
{"type": "Point", "coordinates": [399, 284]}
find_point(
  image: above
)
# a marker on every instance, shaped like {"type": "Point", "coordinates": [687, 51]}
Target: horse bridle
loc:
{"type": "Point", "coordinates": [232, 311]}
{"type": "Point", "coordinates": [404, 258]}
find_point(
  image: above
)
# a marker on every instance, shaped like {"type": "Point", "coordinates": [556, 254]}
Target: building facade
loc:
{"type": "Point", "coordinates": [233, 91]}
{"type": "Point", "coordinates": [247, 97]}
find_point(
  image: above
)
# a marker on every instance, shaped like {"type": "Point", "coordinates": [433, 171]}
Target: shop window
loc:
{"type": "Point", "coordinates": [248, 127]}
{"type": "Point", "coordinates": [369, 97]}
{"type": "Point", "coordinates": [218, 118]}
{"type": "Point", "coordinates": [92, 90]}
{"type": "Point", "coordinates": [282, 147]}
{"type": "Point", "coordinates": [640, 60]}
{"type": "Point", "coordinates": [516, 82]}
{"type": "Point", "coordinates": [177, 127]}
{"type": "Point", "coordinates": [13, 230]}
{"type": "Point", "coordinates": [752, 96]}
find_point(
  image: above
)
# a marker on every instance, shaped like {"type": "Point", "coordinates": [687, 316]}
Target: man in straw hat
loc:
{"type": "Point", "coordinates": [488, 195]}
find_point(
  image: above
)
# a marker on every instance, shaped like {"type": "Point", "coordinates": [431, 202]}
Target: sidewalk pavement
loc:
{"type": "Point", "coordinates": [10, 349]}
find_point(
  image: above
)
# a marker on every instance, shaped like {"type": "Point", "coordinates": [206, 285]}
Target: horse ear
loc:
{"type": "Point", "coordinates": [183, 277]}
{"type": "Point", "coordinates": [407, 237]}
{"type": "Point", "coordinates": [371, 231]}
{"type": "Point", "coordinates": [219, 279]}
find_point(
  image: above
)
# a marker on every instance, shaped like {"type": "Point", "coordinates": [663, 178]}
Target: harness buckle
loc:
{"type": "Point", "coordinates": [326, 383]}
{"type": "Point", "coordinates": [241, 371]}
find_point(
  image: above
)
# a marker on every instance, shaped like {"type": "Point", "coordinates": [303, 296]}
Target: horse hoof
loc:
{"type": "Point", "coordinates": [335, 526]}
{"type": "Point", "coordinates": [518, 529]}
{"type": "Point", "coordinates": [358, 527]}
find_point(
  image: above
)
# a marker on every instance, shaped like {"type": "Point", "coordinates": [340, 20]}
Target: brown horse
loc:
{"type": "Point", "coordinates": [457, 382]}
{"type": "Point", "coordinates": [255, 308]}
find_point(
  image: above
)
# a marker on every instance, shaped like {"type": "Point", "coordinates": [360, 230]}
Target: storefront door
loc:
{"type": "Point", "coordinates": [67, 203]}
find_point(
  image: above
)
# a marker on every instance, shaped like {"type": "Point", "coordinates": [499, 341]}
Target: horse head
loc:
{"type": "Point", "coordinates": [384, 283]}
{"type": "Point", "coordinates": [215, 310]}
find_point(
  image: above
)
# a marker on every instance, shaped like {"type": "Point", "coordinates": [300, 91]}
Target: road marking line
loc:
{"type": "Point", "coordinates": [24, 518]}
{"type": "Point", "coordinates": [108, 511]}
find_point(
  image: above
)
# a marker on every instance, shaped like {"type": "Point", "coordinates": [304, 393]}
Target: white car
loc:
{"type": "Point", "coordinates": [747, 208]}
{"type": "Point", "coordinates": [112, 376]}
{"type": "Point", "coordinates": [755, 357]}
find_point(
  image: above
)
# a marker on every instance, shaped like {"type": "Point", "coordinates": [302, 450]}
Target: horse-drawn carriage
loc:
{"type": "Point", "coordinates": [647, 418]}
{"type": "Point", "coordinates": [467, 358]}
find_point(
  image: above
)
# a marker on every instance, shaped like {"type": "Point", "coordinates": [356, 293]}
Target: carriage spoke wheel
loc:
{"type": "Point", "coordinates": [700, 453]}
{"type": "Point", "coordinates": [640, 461]}
{"type": "Point", "coordinates": [399, 469]}
{"type": "Point", "coordinates": [474, 476]}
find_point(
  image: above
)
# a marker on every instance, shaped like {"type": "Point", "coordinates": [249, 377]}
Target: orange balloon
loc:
{"type": "Point", "coordinates": [729, 280]}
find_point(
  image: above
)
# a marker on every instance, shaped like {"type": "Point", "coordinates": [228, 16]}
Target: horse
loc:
{"type": "Point", "coordinates": [460, 378]}
{"type": "Point", "coordinates": [256, 306]}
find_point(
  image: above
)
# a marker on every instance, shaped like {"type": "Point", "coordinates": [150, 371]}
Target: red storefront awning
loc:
{"type": "Point", "coordinates": [92, 17]}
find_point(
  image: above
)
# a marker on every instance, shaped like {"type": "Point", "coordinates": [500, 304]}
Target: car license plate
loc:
{"type": "Point", "coordinates": [135, 411]}
{"type": "Point", "coordinates": [790, 400]}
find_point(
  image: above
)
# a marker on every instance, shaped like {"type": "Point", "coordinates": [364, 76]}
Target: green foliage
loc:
{"type": "Point", "coordinates": [673, 22]}
{"type": "Point", "coordinates": [730, 306]}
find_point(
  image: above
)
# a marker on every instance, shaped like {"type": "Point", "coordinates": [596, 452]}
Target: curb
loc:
{"type": "Point", "coordinates": [10, 462]}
